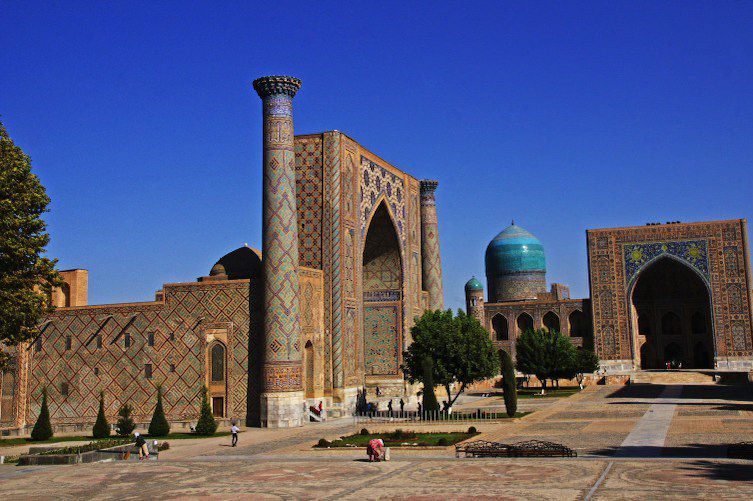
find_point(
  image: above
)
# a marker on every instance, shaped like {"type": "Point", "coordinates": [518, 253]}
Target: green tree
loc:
{"type": "Point", "coordinates": [26, 278]}
{"type": "Point", "coordinates": [509, 384]}
{"type": "Point", "coordinates": [206, 424]}
{"type": "Point", "coordinates": [460, 348]}
{"type": "Point", "coordinates": [429, 397]}
{"type": "Point", "coordinates": [548, 355]}
{"type": "Point", "coordinates": [159, 427]}
{"type": "Point", "coordinates": [42, 428]}
{"type": "Point", "coordinates": [125, 422]}
{"type": "Point", "coordinates": [101, 426]}
{"type": "Point", "coordinates": [586, 362]}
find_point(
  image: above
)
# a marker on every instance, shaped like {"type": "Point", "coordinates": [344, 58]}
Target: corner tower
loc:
{"type": "Point", "coordinates": [282, 393]}
{"type": "Point", "coordinates": [474, 299]}
{"type": "Point", "coordinates": [431, 262]}
{"type": "Point", "coordinates": [515, 266]}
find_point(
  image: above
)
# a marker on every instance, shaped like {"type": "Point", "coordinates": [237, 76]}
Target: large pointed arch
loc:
{"type": "Point", "coordinates": [382, 283]}
{"type": "Point", "coordinates": [663, 298]}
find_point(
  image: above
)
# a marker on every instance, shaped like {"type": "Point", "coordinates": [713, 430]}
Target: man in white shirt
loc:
{"type": "Point", "coordinates": [234, 432]}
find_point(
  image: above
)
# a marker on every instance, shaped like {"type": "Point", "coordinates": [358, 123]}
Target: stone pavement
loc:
{"type": "Point", "coordinates": [689, 461]}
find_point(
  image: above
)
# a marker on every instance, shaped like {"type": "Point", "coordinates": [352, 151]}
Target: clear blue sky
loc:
{"type": "Point", "coordinates": [141, 121]}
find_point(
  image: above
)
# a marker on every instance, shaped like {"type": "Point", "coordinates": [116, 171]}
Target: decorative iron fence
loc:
{"type": "Point", "coordinates": [430, 416]}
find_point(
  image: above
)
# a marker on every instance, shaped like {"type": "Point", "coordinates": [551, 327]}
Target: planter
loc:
{"type": "Point", "coordinates": [117, 453]}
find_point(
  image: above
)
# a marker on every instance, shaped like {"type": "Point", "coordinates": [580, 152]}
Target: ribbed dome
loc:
{"type": "Point", "coordinates": [514, 250]}
{"type": "Point", "coordinates": [473, 285]}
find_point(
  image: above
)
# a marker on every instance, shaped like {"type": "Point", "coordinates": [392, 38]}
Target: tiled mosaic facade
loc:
{"type": "Point", "coordinates": [716, 251]}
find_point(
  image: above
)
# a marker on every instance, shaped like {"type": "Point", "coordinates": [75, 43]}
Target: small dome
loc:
{"type": "Point", "coordinates": [216, 270]}
{"type": "Point", "coordinates": [514, 250]}
{"type": "Point", "coordinates": [473, 285]}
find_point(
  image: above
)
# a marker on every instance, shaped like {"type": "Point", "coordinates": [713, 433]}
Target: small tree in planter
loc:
{"type": "Point", "coordinates": [159, 427]}
{"type": "Point", "coordinates": [509, 384]}
{"type": "Point", "coordinates": [206, 424]}
{"type": "Point", "coordinates": [125, 423]}
{"type": "Point", "coordinates": [42, 428]}
{"type": "Point", "coordinates": [101, 426]}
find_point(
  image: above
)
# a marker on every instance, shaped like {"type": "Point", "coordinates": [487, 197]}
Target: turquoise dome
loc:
{"type": "Point", "coordinates": [514, 250]}
{"type": "Point", "coordinates": [473, 285]}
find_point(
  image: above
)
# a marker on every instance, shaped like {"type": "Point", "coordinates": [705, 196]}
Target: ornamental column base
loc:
{"type": "Point", "coordinates": [283, 409]}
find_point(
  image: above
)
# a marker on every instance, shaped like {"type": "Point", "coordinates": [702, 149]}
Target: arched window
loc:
{"type": "Point", "coordinates": [577, 324]}
{"type": "Point", "coordinates": [525, 322]}
{"type": "Point", "coordinates": [218, 363]}
{"type": "Point", "coordinates": [499, 324]}
{"type": "Point", "coordinates": [670, 324]}
{"type": "Point", "coordinates": [698, 323]}
{"type": "Point", "coordinates": [551, 321]}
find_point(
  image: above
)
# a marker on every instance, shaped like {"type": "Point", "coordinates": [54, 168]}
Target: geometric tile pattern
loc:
{"type": "Point", "coordinates": [308, 180]}
{"type": "Point", "coordinates": [282, 329]}
{"type": "Point", "coordinates": [715, 250]}
{"type": "Point", "coordinates": [431, 262]}
{"type": "Point", "coordinates": [381, 339]}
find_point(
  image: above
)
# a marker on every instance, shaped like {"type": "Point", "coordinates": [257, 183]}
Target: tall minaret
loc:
{"type": "Point", "coordinates": [282, 394]}
{"type": "Point", "coordinates": [431, 263]}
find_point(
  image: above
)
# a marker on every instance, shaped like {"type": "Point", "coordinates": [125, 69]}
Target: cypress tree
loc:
{"type": "Point", "coordinates": [430, 399]}
{"type": "Point", "coordinates": [509, 384]}
{"type": "Point", "coordinates": [206, 424]}
{"type": "Point", "coordinates": [125, 423]}
{"type": "Point", "coordinates": [101, 426]}
{"type": "Point", "coordinates": [159, 427]}
{"type": "Point", "coordinates": [42, 428]}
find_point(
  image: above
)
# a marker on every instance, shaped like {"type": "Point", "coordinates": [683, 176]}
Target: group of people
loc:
{"type": "Point", "coordinates": [143, 446]}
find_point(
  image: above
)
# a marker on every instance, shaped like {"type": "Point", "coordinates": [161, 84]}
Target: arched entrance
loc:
{"type": "Point", "coordinates": [670, 317]}
{"type": "Point", "coordinates": [525, 323]}
{"type": "Point", "coordinates": [218, 378]}
{"type": "Point", "coordinates": [382, 297]}
{"type": "Point", "coordinates": [499, 324]}
{"type": "Point", "coordinates": [551, 321]}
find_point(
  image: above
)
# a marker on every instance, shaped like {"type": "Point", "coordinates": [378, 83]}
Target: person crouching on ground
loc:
{"type": "Point", "coordinates": [141, 446]}
{"type": "Point", "coordinates": [374, 449]}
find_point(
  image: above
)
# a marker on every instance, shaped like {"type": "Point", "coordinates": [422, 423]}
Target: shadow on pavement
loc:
{"type": "Point", "coordinates": [684, 451]}
{"type": "Point", "coordinates": [731, 472]}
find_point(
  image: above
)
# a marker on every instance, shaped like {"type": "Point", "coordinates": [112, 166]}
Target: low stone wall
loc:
{"type": "Point", "coordinates": [117, 453]}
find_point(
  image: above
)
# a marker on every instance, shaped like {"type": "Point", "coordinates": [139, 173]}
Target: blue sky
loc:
{"type": "Point", "coordinates": [141, 122]}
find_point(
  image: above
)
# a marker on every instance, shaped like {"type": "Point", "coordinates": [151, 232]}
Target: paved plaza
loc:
{"type": "Point", "coordinates": [633, 442]}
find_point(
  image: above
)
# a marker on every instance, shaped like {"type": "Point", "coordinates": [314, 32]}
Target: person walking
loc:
{"type": "Point", "coordinates": [389, 408]}
{"type": "Point", "coordinates": [402, 406]}
{"type": "Point", "coordinates": [141, 446]}
{"type": "Point", "coordinates": [234, 432]}
{"type": "Point", "coordinates": [378, 392]}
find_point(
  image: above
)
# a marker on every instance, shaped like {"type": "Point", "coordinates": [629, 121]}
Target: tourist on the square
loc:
{"type": "Point", "coordinates": [141, 446]}
{"type": "Point", "coordinates": [234, 432]}
{"type": "Point", "coordinates": [378, 392]}
{"type": "Point", "coordinates": [389, 408]}
{"type": "Point", "coordinates": [419, 409]}
{"type": "Point", "coordinates": [402, 406]}
{"type": "Point", "coordinates": [375, 449]}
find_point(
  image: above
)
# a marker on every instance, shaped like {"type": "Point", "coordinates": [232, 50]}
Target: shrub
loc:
{"type": "Point", "coordinates": [42, 428]}
{"type": "Point", "coordinates": [509, 384]}
{"type": "Point", "coordinates": [159, 427]}
{"type": "Point", "coordinates": [323, 442]}
{"type": "Point", "coordinates": [163, 446]}
{"type": "Point", "coordinates": [364, 431]}
{"type": "Point", "coordinates": [101, 426]}
{"type": "Point", "coordinates": [206, 424]}
{"type": "Point", "coordinates": [443, 442]}
{"type": "Point", "coordinates": [472, 430]}
{"type": "Point", "coordinates": [125, 424]}
{"type": "Point", "coordinates": [338, 443]}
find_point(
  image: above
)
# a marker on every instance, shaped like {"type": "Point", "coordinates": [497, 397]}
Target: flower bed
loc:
{"type": "Point", "coordinates": [399, 438]}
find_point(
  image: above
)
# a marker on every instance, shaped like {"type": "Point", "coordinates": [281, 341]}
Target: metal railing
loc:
{"type": "Point", "coordinates": [431, 416]}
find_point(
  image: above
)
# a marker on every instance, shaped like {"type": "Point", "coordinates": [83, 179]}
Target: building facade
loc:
{"type": "Point", "coordinates": [675, 293]}
{"type": "Point", "coordinates": [350, 256]}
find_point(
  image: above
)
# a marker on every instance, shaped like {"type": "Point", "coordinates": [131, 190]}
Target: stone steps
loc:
{"type": "Point", "coordinates": [672, 377]}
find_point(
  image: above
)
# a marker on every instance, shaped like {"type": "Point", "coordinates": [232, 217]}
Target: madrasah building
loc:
{"type": "Point", "coordinates": [350, 256]}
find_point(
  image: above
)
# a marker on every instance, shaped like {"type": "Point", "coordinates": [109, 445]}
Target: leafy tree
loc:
{"type": "Point", "coordinates": [429, 398]}
{"type": "Point", "coordinates": [206, 424]}
{"type": "Point", "coordinates": [42, 428]}
{"type": "Point", "coordinates": [586, 362]}
{"type": "Point", "coordinates": [159, 427]}
{"type": "Point", "coordinates": [509, 384]}
{"type": "Point", "coordinates": [26, 278]}
{"type": "Point", "coordinates": [548, 355]}
{"type": "Point", "coordinates": [101, 426]}
{"type": "Point", "coordinates": [459, 347]}
{"type": "Point", "coordinates": [125, 422]}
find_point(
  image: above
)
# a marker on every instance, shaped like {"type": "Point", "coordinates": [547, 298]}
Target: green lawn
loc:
{"type": "Point", "coordinates": [396, 439]}
{"type": "Point", "coordinates": [8, 442]}
{"type": "Point", "coordinates": [564, 391]}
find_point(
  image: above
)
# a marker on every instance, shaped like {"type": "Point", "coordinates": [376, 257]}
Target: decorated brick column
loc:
{"type": "Point", "coordinates": [431, 263]}
{"type": "Point", "coordinates": [282, 397]}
